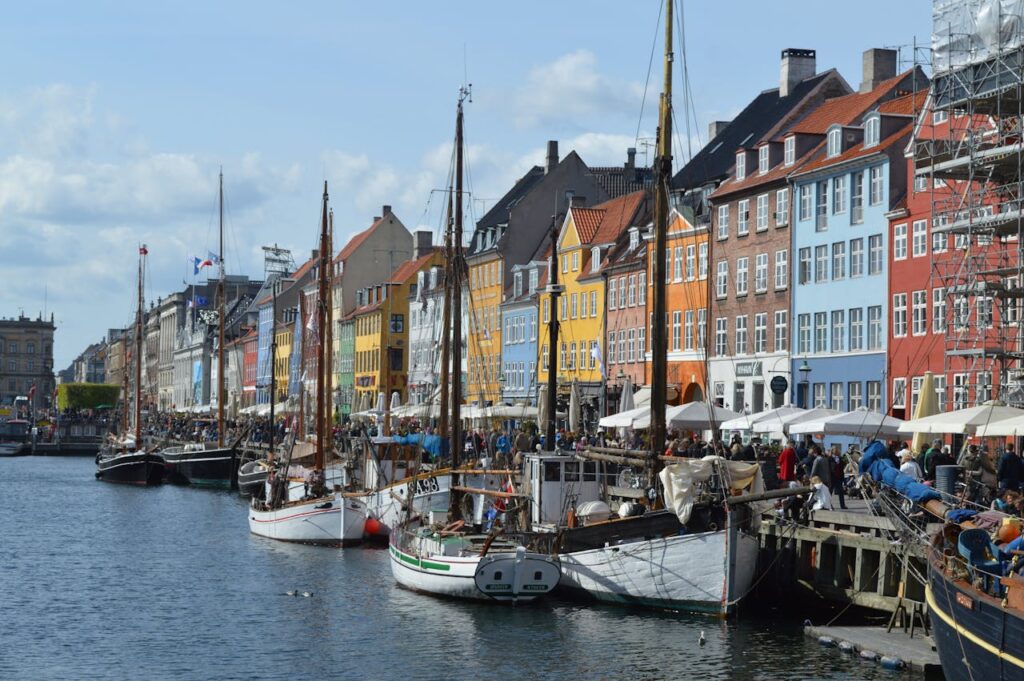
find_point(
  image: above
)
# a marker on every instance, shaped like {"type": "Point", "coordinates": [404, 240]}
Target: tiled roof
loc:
{"type": "Point", "coordinates": [617, 216]}
{"type": "Point", "coordinates": [499, 212]}
{"type": "Point", "coordinates": [908, 105]}
{"type": "Point", "coordinates": [854, 152]}
{"type": "Point", "coordinates": [620, 180]}
{"type": "Point", "coordinates": [409, 268]}
{"type": "Point", "coordinates": [587, 220]}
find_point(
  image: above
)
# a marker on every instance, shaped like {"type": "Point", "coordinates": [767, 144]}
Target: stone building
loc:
{"type": "Point", "coordinates": [26, 359]}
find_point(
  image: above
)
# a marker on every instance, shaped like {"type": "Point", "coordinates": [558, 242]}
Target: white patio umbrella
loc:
{"type": "Point", "coordinates": [1011, 427]}
{"type": "Point", "coordinates": [514, 411]}
{"type": "Point", "coordinates": [396, 400]}
{"type": "Point", "coordinates": [689, 416]}
{"type": "Point", "coordinates": [574, 407]}
{"type": "Point", "coordinates": [861, 422]}
{"type": "Point", "coordinates": [626, 401]}
{"type": "Point", "coordinates": [783, 423]}
{"type": "Point", "coordinates": [382, 403]}
{"type": "Point", "coordinates": [965, 421]}
{"type": "Point", "coordinates": [542, 408]}
{"type": "Point", "coordinates": [747, 421]}
{"type": "Point", "coordinates": [625, 419]}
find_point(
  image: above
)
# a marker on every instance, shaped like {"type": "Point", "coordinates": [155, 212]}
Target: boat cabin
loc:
{"type": "Point", "coordinates": [558, 482]}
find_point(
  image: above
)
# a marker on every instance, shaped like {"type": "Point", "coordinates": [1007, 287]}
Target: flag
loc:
{"type": "Point", "coordinates": [201, 301]}
{"type": "Point", "coordinates": [595, 352]}
{"type": "Point", "coordinates": [213, 258]}
{"type": "Point", "coordinates": [143, 250]}
{"type": "Point", "coordinates": [198, 264]}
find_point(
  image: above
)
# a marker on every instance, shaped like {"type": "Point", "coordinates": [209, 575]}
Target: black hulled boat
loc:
{"type": "Point", "coordinates": [129, 467]}
{"type": "Point", "coordinates": [196, 465]}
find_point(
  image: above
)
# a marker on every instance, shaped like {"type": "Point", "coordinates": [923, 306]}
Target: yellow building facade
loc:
{"type": "Point", "coordinates": [483, 352]}
{"type": "Point", "coordinates": [282, 364]}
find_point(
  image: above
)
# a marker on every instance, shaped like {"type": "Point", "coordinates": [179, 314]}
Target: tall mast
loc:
{"type": "Point", "coordinates": [321, 318]}
{"type": "Point", "coordinates": [663, 175]}
{"type": "Point", "coordinates": [273, 366]}
{"type": "Point", "coordinates": [328, 334]}
{"type": "Point", "coordinates": [446, 315]}
{"type": "Point", "coordinates": [549, 432]}
{"type": "Point", "coordinates": [457, 265]}
{"type": "Point", "coordinates": [138, 356]}
{"type": "Point", "coordinates": [220, 339]}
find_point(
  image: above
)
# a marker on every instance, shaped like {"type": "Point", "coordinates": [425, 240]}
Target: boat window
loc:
{"type": "Point", "coordinates": [552, 471]}
{"type": "Point", "coordinates": [589, 471]}
{"type": "Point", "coordinates": [537, 576]}
{"type": "Point", "coordinates": [497, 575]}
{"type": "Point", "coordinates": [572, 471]}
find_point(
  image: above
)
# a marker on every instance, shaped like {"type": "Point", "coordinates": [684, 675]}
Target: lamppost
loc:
{"type": "Point", "coordinates": [805, 393]}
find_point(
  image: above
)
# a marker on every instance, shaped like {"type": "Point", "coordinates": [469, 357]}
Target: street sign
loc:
{"type": "Point", "coordinates": [779, 385]}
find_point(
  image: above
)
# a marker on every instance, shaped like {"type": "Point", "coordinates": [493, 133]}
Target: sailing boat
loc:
{"type": "Point", "coordinates": [698, 556]}
{"type": "Point", "coordinates": [126, 460]}
{"type": "Point", "coordinates": [442, 558]}
{"type": "Point", "coordinates": [201, 464]}
{"type": "Point", "coordinates": [319, 515]}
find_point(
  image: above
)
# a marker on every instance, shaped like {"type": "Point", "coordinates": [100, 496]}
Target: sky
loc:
{"type": "Point", "coordinates": [116, 117]}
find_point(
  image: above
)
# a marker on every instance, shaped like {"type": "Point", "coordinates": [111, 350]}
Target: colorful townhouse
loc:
{"type": "Point", "coordinates": [520, 329]}
{"type": "Point", "coordinates": [287, 299]}
{"type": "Point", "coordinates": [626, 261]}
{"type": "Point", "coordinates": [584, 241]}
{"type": "Point", "coordinates": [843, 196]}
{"type": "Point", "coordinates": [282, 358]}
{"type": "Point", "coordinates": [426, 309]}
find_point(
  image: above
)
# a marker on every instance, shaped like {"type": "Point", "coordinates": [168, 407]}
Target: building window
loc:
{"type": "Point", "coordinates": [938, 310]}
{"type": "Point", "coordinates": [688, 330]}
{"type": "Point", "coordinates": [612, 291]}
{"type": "Point", "coordinates": [702, 261]}
{"type": "Point", "coordinates": [782, 207]}
{"type": "Point", "coordinates": [762, 159]}
{"type": "Point", "coordinates": [821, 206]}
{"type": "Point", "coordinates": [939, 117]}
{"type": "Point", "coordinates": [761, 273]}
{"type": "Point", "coordinates": [875, 327]}
{"type": "Point", "coordinates": [899, 393]}
{"type": "Point", "coordinates": [857, 199]}
{"type": "Point", "coordinates": [677, 323]}
{"type": "Point", "coordinates": [856, 257]}
{"type": "Point", "coordinates": [691, 262]}
{"type": "Point", "coordinates": [961, 313]}
{"type": "Point", "coordinates": [595, 258]}
{"type": "Point", "coordinates": [781, 269]}
{"type": "Point", "coordinates": [838, 331]}
{"type": "Point", "coordinates": [839, 194]}
{"type": "Point", "coordinates": [565, 264]}
{"type": "Point", "coordinates": [940, 240]}
{"type": "Point", "coordinates": [743, 217]}
{"type": "Point", "coordinates": [722, 279]}
{"type": "Point", "coordinates": [634, 238]}
{"type": "Point", "coordinates": [835, 142]}
{"type": "Point", "coordinates": [984, 312]}
{"type": "Point", "coordinates": [677, 268]}
{"type": "Point", "coordinates": [856, 329]}
{"type": "Point", "coordinates": [741, 165]}
{"type": "Point", "coordinates": [632, 346]}
{"type": "Point", "coordinates": [640, 342]}
{"type": "Point", "coordinates": [803, 322]}
{"type": "Point", "coordinates": [631, 299]}
{"type": "Point", "coordinates": [642, 289]}
{"type": "Point", "coordinates": [781, 330]}
{"type": "Point", "coordinates": [875, 262]}
{"type": "Point", "coordinates": [741, 335]}
{"type": "Point", "coordinates": [762, 212]}
{"type": "Point", "coordinates": [940, 392]}
{"type": "Point", "coordinates": [720, 336]}
{"type": "Point", "coordinates": [876, 185]}
{"type": "Point", "coordinates": [871, 129]}
{"type": "Point", "coordinates": [723, 222]}
{"type": "Point", "coordinates": [789, 151]}
{"type": "Point", "coordinates": [804, 265]}
{"type": "Point", "coordinates": [839, 260]}
{"type": "Point", "coordinates": [920, 239]}
{"type": "Point", "coordinates": [983, 387]}
{"type": "Point", "coordinates": [612, 359]}
{"type": "Point", "coordinates": [805, 202]}
{"type": "Point", "coordinates": [899, 315]}
{"type": "Point", "coordinates": [959, 391]}
{"type": "Point", "coordinates": [915, 392]}
{"type": "Point", "coordinates": [820, 263]}
{"type": "Point", "coordinates": [899, 242]}
{"type": "Point", "coordinates": [741, 276]}
{"type": "Point", "coordinates": [819, 396]}
{"type": "Point", "coordinates": [593, 303]}
{"type": "Point", "coordinates": [760, 332]}
{"type": "Point", "coordinates": [820, 332]}
{"type": "Point", "coordinates": [856, 397]}
{"type": "Point", "coordinates": [575, 261]}
{"type": "Point", "coordinates": [919, 308]}
{"type": "Point", "coordinates": [837, 396]}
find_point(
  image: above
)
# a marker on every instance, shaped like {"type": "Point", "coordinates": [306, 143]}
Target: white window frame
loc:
{"type": "Point", "coordinates": [838, 260]}
{"type": "Point", "coordinates": [760, 333]}
{"type": "Point", "coordinates": [762, 159]}
{"type": "Point", "coordinates": [782, 207]}
{"type": "Point", "coordinates": [781, 269]}
{"type": "Point", "coordinates": [722, 279]}
{"type": "Point", "coordinates": [919, 312]}
{"type": "Point", "coordinates": [872, 129]}
{"type": "Point", "coordinates": [761, 273]}
{"type": "Point", "coordinates": [762, 212]}
{"type": "Point", "coordinates": [742, 272]}
{"type": "Point", "coordinates": [919, 239]}
{"type": "Point", "coordinates": [789, 151]}
{"type": "Point", "coordinates": [781, 328]}
{"type": "Point", "coordinates": [834, 144]}
{"type": "Point", "coordinates": [740, 336]}
{"type": "Point", "coordinates": [743, 217]}
{"type": "Point", "coordinates": [741, 165]}
{"type": "Point", "coordinates": [899, 315]}
{"type": "Point", "coordinates": [723, 221]}
{"type": "Point", "coordinates": [939, 310]}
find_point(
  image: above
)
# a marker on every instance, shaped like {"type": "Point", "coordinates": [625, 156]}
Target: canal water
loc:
{"type": "Point", "coordinates": [100, 581]}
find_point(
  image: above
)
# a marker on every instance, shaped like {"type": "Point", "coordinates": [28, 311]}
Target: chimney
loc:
{"type": "Point", "coordinates": [552, 159]}
{"type": "Point", "coordinates": [876, 65]}
{"type": "Point", "coordinates": [314, 254]}
{"type": "Point", "coordinates": [715, 127]}
{"type": "Point", "coordinates": [386, 210]}
{"type": "Point", "coordinates": [797, 64]}
{"type": "Point", "coordinates": [630, 158]}
{"type": "Point", "coordinates": [423, 243]}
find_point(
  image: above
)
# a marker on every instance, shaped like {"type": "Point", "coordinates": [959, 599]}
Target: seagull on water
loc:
{"type": "Point", "coordinates": [293, 592]}
{"type": "Point", "coordinates": [701, 641]}
{"type": "Point", "coordinates": [307, 594]}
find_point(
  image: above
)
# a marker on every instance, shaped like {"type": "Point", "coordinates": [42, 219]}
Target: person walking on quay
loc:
{"type": "Point", "coordinates": [928, 467]}
{"type": "Point", "coordinates": [836, 468]}
{"type": "Point", "coordinates": [787, 464]}
{"type": "Point", "coordinates": [821, 467]}
{"type": "Point", "coordinates": [1010, 470]}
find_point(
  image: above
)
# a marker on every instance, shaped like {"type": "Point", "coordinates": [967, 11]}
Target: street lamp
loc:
{"type": "Point", "coordinates": [805, 370]}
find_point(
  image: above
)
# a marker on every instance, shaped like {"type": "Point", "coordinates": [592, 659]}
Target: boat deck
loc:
{"type": "Point", "coordinates": [918, 653]}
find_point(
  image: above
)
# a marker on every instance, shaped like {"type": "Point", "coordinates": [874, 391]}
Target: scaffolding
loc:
{"type": "Point", "coordinates": [968, 151]}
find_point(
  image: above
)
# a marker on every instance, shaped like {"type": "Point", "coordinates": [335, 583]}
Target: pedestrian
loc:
{"type": "Point", "coordinates": [821, 467]}
{"type": "Point", "coordinates": [1010, 470]}
{"type": "Point", "coordinates": [820, 498]}
{"type": "Point", "coordinates": [908, 466]}
{"type": "Point", "coordinates": [928, 467]}
{"type": "Point", "coordinates": [836, 472]}
{"type": "Point", "coordinates": [787, 463]}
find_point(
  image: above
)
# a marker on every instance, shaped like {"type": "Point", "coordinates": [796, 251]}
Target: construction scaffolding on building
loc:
{"type": "Point", "coordinates": [969, 151]}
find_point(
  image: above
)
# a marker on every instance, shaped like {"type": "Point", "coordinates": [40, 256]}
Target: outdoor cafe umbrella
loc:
{"type": "Point", "coordinates": [965, 421]}
{"type": "Point", "coordinates": [626, 401]}
{"type": "Point", "coordinates": [747, 421]}
{"type": "Point", "coordinates": [574, 407]}
{"type": "Point", "coordinates": [861, 422]}
{"type": "Point", "coordinates": [689, 416]}
{"type": "Point", "coordinates": [625, 419]}
{"type": "Point", "coordinates": [927, 405]}
{"type": "Point", "coordinates": [784, 423]}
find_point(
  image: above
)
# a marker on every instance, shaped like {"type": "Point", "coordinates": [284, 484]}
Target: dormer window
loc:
{"type": "Point", "coordinates": [534, 275]}
{"type": "Point", "coordinates": [517, 284]}
{"type": "Point", "coordinates": [634, 238]}
{"type": "Point", "coordinates": [762, 160]}
{"type": "Point", "coordinates": [872, 127]}
{"type": "Point", "coordinates": [835, 141]}
{"type": "Point", "coordinates": [741, 165]}
{"type": "Point", "coordinates": [789, 151]}
{"type": "Point", "coordinates": [595, 258]}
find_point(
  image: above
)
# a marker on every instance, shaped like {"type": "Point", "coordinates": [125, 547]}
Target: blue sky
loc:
{"type": "Point", "coordinates": [115, 117]}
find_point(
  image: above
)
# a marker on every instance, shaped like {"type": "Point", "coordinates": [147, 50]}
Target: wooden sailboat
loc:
{"type": "Point", "coordinates": [320, 515]}
{"type": "Point", "coordinates": [125, 459]}
{"type": "Point", "coordinates": [200, 464]}
{"type": "Point", "coordinates": [444, 558]}
{"type": "Point", "coordinates": [701, 559]}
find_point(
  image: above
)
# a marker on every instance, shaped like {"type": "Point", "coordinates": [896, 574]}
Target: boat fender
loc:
{"type": "Point", "coordinates": [324, 505]}
{"type": "Point", "coordinates": [847, 647]}
{"type": "Point", "coordinates": [869, 655]}
{"type": "Point", "coordinates": [826, 641]}
{"type": "Point", "coordinates": [372, 527]}
{"type": "Point", "coordinates": [892, 662]}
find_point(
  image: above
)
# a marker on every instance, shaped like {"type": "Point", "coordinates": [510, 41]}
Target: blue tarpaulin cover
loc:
{"type": "Point", "coordinates": [431, 443]}
{"type": "Point", "coordinates": [881, 469]}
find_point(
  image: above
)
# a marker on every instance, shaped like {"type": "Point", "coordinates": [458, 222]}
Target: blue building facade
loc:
{"type": "Point", "coordinates": [519, 339]}
{"type": "Point", "coordinates": [264, 339]}
{"type": "Point", "coordinates": [840, 303]}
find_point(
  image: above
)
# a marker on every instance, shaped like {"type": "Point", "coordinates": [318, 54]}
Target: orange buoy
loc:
{"type": "Point", "coordinates": [372, 527]}
{"type": "Point", "coordinates": [1008, 531]}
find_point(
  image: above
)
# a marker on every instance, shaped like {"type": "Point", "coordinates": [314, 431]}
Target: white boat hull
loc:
{"type": "Point", "coordinates": [331, 521]}
{"type": "Point", "coordinates": [506, 576]}
{"type": "Point", "coordinates": [704, 572]}
{"type": "Point", "coordinates": [387, 506]}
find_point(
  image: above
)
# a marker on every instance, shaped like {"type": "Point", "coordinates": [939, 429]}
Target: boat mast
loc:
{"type": "Point", "coordinates": [553, 289]}
{"type": "Point", "coordinates": [273, 367]}
{"type": "Point", "coordinates": [458, 266]}
{"type": "Point", "coordinates": [124, 384]}
{"type": "Point", "coordinates": [220, 339]}
{"type": "Point", "coordinates": [662, 177]}
{"type": "Point", "coordinates": [138, 356]}
{"type": "Point", "coordinates": [321, 317]}
{"type": "Point", "coordinates": [328, 334]}
{"type": "Point", "coordinates": [446, 316]}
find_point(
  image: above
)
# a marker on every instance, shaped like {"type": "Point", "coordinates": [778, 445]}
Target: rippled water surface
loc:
{"type": "Point", "coordinates": [106, 581]}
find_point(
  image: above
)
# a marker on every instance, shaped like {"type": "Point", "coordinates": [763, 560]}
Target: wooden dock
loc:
{"type": "Point", "coordinates": [917, 653]}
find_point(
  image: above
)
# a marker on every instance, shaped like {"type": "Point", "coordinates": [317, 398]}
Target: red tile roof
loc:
{"type": "Point", "coordinates": [409, 268]}
{"type": "Point", "coordinates": [907, 105]}
{"type": "Point", "coordinates": [587, 220]}
{"type": "Point", "coordinates": [854, 152]}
